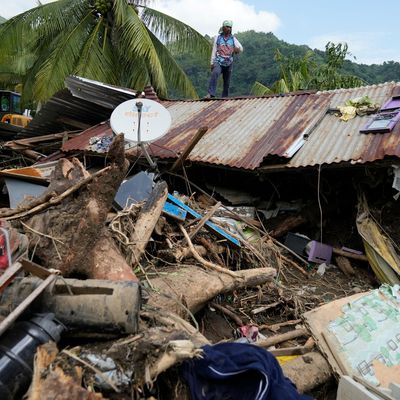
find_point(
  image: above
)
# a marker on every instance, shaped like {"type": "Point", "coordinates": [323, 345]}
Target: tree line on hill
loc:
{"type": "Point", "coordinates": [259, 63]}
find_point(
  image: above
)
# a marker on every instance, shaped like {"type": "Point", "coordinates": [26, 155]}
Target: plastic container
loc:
{"type": "Point", "coordinates": [17, 350]}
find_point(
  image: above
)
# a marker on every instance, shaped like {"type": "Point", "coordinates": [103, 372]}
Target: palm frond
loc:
{"type": "Point", "coordinates": [39, 22]}
{"type": "Point", "coordinates": [259, 89]}
{"type": "Point", "coordinates": [134, 74]}
{"type": "Point", "coordinates": [97, 60]}
{"type": "Point", "coordinates": [62, 60]}
{"type": "Point", "coordinates": [280, 86]}
{"type": "Point", "coordinates": [178, 35]}
{"type": "Point", "coordinates": [135, 41]}
{"type": "Point", "coordinates": [174, 74]}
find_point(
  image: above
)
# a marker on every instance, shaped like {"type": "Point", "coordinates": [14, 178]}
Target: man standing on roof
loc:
{"type": "Point", "coordinates": [225, 45]}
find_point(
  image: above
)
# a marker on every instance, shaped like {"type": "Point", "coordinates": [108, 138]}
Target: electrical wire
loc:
{"type": "Point", "coordinates": [319, 201]}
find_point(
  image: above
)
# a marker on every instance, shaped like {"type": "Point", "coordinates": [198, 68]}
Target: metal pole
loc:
{"type": "Point", "coordinates": [153, 165]}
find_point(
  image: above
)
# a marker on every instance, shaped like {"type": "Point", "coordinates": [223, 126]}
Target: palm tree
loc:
{"type": "Point", "coordinates": [121, 42]}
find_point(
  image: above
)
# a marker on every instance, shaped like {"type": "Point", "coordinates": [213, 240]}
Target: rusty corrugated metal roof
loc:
{"type": "Point", "coordinates": [81, 142]}
{"type": "Point", "coordinates": [241, 133]}
{"type": "Point", "coordinates": [82, 104]}
{"type": "Point", "coordinates": [335, 141]}
{"type": "Point", "coordinates": [244, 132]}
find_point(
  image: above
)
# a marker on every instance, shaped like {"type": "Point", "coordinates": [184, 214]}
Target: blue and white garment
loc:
{"type": "Point", "coordinates": [223, 48]}
{"type": "Point", "coordinates": [238, 371]}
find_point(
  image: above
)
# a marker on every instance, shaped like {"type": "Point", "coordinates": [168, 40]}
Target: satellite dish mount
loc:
{"type": "Point", "coordinates": [153, 165]}
{"type": "Point", "coordinates": [141, 121]}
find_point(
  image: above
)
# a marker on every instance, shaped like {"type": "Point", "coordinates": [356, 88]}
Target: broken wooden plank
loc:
{"type": "Point", "coordinates": [209, 225]}
{"type": "Point", "coordinates": [276, 327]}
{"type": "Point", "coordinates": [35, 269]}
{"type": "Point", "coordinates": [147, 219]}
{"type": "Point", "coordinates": [9, 273]}
{"type": "Point", "coordinates": [189, 147]}
{"type": "Point", "coordinates": [282, 337]}
{"type": "Point", "coordinates": [204, 220]}
{"type": "Point", "coordinates": [259, 310]}
{"type": "Point", "coordinates": [290, 351]}
{"type": "Point", "coordinates": [348, 254]}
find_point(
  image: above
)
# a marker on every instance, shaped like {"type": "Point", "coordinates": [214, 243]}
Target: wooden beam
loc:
{"type": "Point", "coordinates": [21, 144]}
{"type": "Point", "coordinates": [282, 337]}
{"type": "Point", "coordinates": [147, 219]}
{"type": "Point", "coordinates": [204, 220]}
{"type": "Point", "coordinates": [189, 147]}
{"type": "Point", "coordinates": [354, 256]}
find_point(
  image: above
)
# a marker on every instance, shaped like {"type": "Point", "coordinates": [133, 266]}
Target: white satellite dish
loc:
{"type": "Point", "coordinates": [140, 120]}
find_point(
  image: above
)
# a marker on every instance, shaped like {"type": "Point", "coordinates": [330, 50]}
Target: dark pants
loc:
{"type": "Point", "coordinates": [226, 75]}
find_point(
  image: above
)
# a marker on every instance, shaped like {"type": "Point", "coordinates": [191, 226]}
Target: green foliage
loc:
{"type": "Point", "coordinates": [121, 42]}
{"type": "Point", "coordinates": [257, 64]}
{"type": "Point", "coordinates": [330, 75]}
{"type": "Point", "coordinates": [302, 73]}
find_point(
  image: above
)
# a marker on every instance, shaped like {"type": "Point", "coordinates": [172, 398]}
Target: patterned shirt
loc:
{"type": "Point", "coordinates": [222, 52]}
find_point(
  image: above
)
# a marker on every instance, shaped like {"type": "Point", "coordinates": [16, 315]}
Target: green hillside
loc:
{"type": "Point", "coordinates": [257, 63]}
{"type": "Point", "coordinates": [2, 19]}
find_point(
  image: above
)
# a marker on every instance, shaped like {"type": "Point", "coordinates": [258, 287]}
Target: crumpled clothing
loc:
{"type": "Point", "coordinates": [238, 371]}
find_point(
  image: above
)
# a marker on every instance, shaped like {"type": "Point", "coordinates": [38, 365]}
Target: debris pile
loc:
{"type": "Point", "coordinates": [143, 285]}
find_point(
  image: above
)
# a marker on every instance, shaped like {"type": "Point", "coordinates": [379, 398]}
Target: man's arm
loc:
{"type": "Point", "coordinates": [238, 46]}
{"type": "Point", "coordinates": [214, 52]}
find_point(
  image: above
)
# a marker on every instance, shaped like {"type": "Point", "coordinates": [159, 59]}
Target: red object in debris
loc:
{"type": "Point", "coordinates": [3, 253]}
{"type": "Point", "coordinates": [250, 332]}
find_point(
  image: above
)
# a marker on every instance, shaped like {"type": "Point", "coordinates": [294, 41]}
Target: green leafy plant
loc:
{"type": "Point", "coordinates": [304, 73]}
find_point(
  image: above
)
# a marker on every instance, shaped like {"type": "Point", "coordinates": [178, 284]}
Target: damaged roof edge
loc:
{"type": "Point", "coordinates": [245, 132]}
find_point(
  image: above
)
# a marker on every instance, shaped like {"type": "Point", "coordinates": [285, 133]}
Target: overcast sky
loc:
{"type": "Point", "coordinates": [371, 29]}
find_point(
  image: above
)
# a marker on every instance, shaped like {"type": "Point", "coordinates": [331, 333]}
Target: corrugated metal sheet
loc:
{"type": "Point", "coordinates": [102, 94]}
{"type": "Point", "coordinates": [81, 142]}
{"type": "Point", "coordinates": [82, 104]}
{"type": "Point", "coordinates": [241, 133]}
{"type": "Point", "coordinates": [244, 132]}
{"type": "Point", "coordinates": [335, 141]}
